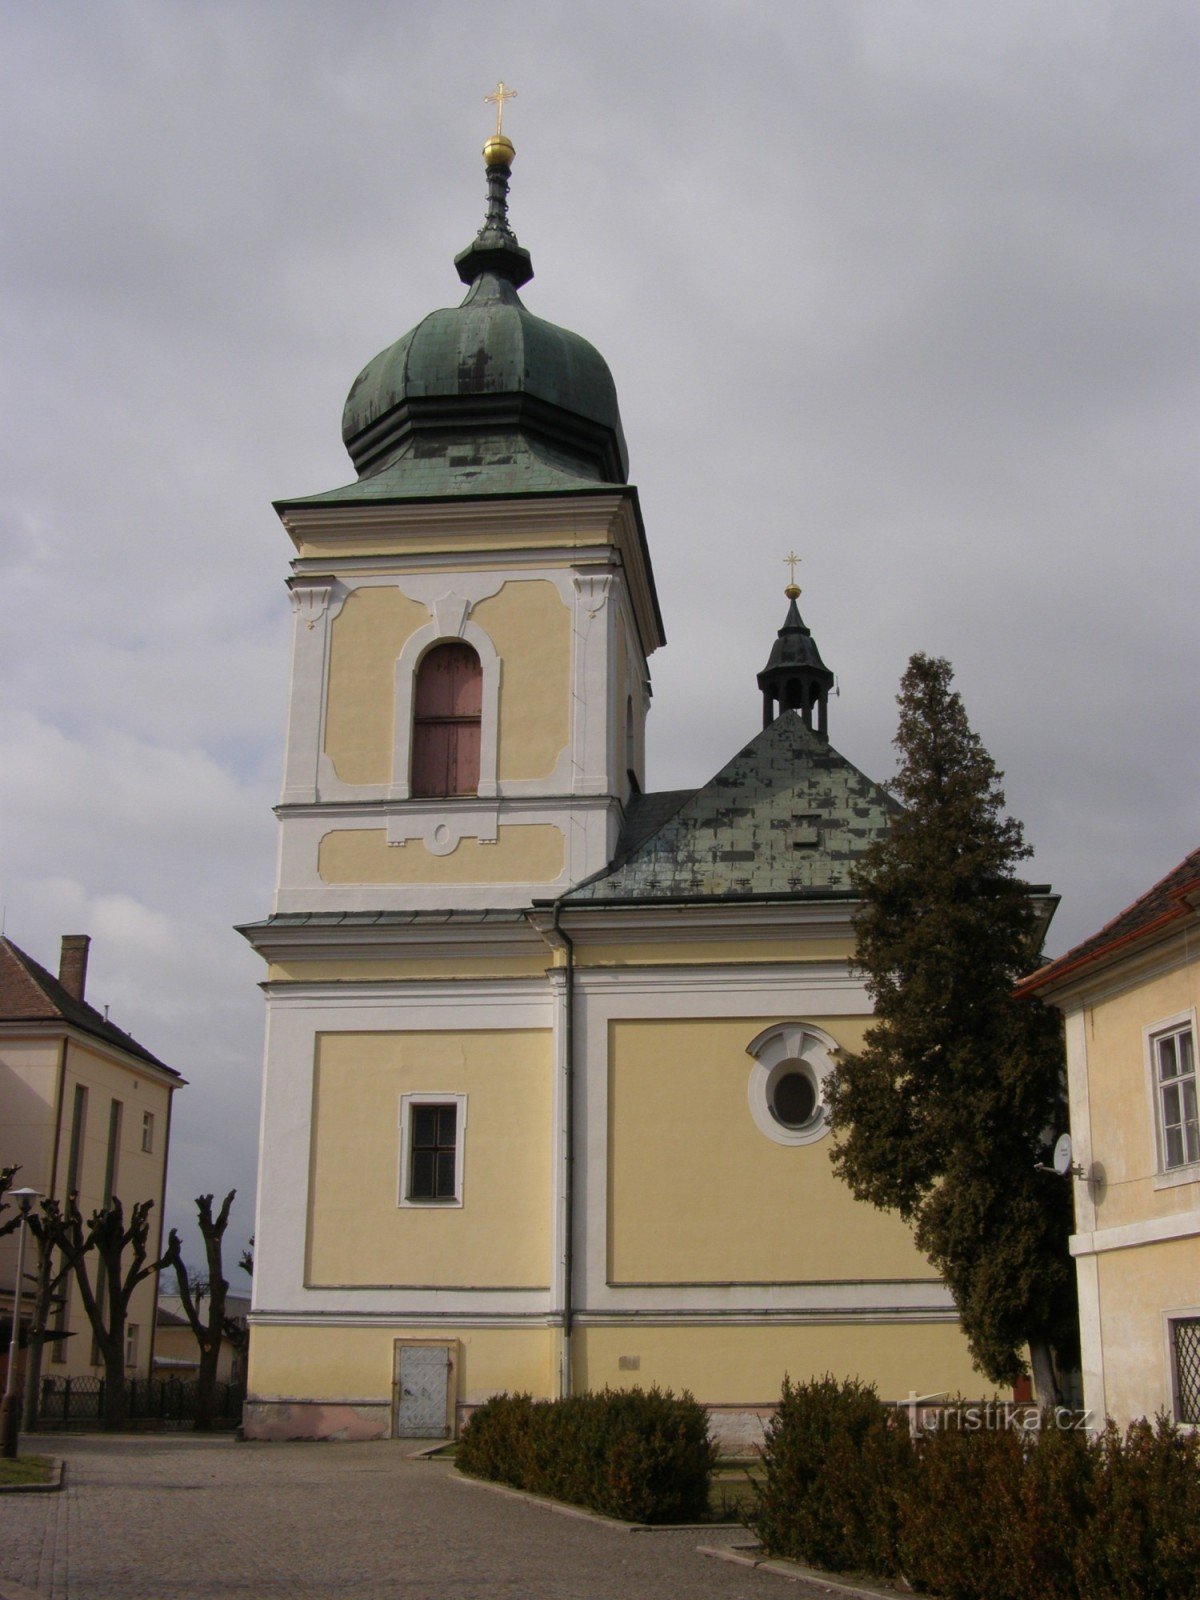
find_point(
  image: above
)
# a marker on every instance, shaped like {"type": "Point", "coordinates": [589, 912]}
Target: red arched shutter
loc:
{"type": "Point", "coordinates": [448, 705]}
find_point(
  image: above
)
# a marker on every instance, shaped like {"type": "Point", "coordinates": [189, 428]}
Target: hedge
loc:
{"type": "Point", "coordinates": [980, 1512]}
{"type": "Point", "coordinates": [641, 1456]}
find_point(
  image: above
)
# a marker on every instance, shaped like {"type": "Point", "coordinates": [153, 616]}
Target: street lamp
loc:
{"type": "Point", "coordinates": [10, 1406]}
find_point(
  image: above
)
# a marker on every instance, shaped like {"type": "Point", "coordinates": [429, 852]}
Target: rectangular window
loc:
{"type": "Point", "coordinates": [148, 1132]}
{"type": "Point", "coordinates": [1174, 1059]}
{"type": "Point", "coordinates": [78, 1123]}
{"type": "Point", "coordinates": [431, 1148]}
{"type": "Point", "coordinates": [114, 1151]}
{"type": "Point", "coordinates": [131, 1344]}
{"type": "Point", "coordinates": [1185, 1360]}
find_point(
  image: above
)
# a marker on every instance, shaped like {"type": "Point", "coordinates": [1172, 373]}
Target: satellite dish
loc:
{"type": "Point", "coordinates": [1062, 1155]}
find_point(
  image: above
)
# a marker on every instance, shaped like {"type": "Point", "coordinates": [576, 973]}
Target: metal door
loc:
{"type": "Point", "coordinates": [422, 1391]}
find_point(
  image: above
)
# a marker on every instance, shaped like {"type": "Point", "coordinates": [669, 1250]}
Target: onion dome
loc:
{"type": "Point", "coordinates": [795, 678]}
{"type": "Point", "coordinates": [488, 371]}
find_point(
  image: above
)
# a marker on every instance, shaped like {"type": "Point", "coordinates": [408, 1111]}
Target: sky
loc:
{"type": "Point", "coordinates": [909, 288]}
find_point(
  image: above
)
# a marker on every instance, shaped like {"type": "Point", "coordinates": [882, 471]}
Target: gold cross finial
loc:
{"type": "Point", "coordinates": [792, 561]}
{"type": "Point", "coordinates": [501, 95]}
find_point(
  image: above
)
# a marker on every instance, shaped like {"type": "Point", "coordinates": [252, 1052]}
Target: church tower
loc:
{"type": "Point", "coordinates": [473, 614]}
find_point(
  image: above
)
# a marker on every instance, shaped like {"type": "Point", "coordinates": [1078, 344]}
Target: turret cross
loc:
{"type": "Point", "coordinates": [501, 95]}
{"type": "Point", "coordinates": [792, 561]}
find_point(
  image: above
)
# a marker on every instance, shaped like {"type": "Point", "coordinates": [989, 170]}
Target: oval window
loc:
{"type": "Point", "coordinates": [793, 1099]}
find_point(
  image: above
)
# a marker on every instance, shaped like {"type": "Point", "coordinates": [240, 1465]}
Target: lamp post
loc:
{"type": "Point", "coordinates": [10, 1406]}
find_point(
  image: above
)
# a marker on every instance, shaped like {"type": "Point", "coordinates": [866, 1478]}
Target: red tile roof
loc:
{"type": "Point", "coordinates": [28, 993]}
{"type": "Point", "coordinates": [1168, 901]}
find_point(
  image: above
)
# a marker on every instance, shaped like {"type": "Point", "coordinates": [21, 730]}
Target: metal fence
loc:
{"type": "Point", "coordinates": [167, 1400]}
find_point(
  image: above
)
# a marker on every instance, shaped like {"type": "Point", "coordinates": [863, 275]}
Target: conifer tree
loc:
{"type": "Point", "coordinates": [960, 1086]}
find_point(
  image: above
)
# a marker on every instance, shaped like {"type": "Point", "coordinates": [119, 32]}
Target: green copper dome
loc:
{"type": "Point", "coordinates": [490, 368]}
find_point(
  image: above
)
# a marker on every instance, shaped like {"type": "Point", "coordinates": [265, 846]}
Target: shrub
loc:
{"type": "Point", "coordinates": [993, 1513]}
{"type": "Point", "coordinates": [642, 1456]}
{"type": "Point", "coordinates": [1143, 1536]}
{"type": "Point", "coordinates": [835, 1460]}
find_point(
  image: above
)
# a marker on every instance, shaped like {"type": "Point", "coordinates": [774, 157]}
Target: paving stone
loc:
{"type": "Point", "coordinates": [178, 1517]}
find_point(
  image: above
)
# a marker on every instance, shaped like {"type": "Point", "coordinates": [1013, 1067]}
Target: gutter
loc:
{"type": "Point", "coordinates": [559, 939]}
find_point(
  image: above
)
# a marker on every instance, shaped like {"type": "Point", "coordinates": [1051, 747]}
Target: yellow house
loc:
{"type": "Point", "coordinates": [543, 1103]}
{"type": "Point", "coordinates": [1129, 996]}
{"type": "Point", "coordinates": [84, 1109]}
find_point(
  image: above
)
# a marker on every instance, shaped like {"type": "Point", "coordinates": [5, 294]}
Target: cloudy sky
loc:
{"type": "Point", "coordinates": [909, 287]}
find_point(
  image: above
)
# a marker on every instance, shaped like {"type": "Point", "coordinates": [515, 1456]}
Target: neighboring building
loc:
{"type": "Point", "coordinates": [176, 1352]}
{"type": "Point", "coordinates": [543, 1087]}
{"type": "Point", "coordinates": [1129, 996]}
{"type": "Point", "coordinates": [84, 1109]}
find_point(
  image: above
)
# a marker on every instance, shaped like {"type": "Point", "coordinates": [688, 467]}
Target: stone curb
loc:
{"type": "Point", "coordinates": [584, 1515]}
{"type": "Point", "coordinates": [58, 1468]}
{"type": "Point", "coordinates": [743, 1556]}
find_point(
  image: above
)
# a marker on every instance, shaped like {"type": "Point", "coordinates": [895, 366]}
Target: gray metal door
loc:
{"type": "Point", "coordinates": [422, 1399]}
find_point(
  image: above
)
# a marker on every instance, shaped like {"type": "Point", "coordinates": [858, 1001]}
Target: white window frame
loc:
{"type": "Point", "coordinates": [1170, 1318]}
{"type": "Point", "coordinates": [148, 1133]}
{"type": "Point", "coordinates": [1167, 1177]}
{"type": "Point", "coordinates": [780, 1049]}
{"type": "Point", "coordinates": [431, 1098]}
{"type": "Point", "coordinates": [131, 1344]}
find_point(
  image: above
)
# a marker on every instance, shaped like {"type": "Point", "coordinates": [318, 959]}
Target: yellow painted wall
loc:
{"type": "Point", "coordinates": [1121, 1106]}
{"type": "Point", "coordinates": [710, 952]}
{"type": "Point", "coordinates": [358, 1234]}
{"type": "Point", "coordinates": [728, 1365]}
{"type": "Point", "coordinates": [415, 969]}
{"type": "Point", "coordinates": [339, 1363]}
{"type": "Point", "coordinates": [530, 626]}
{"type": "Point", "coordinates": [366, 637]}
{"type": "Point", "coordinates": [683, 1147]}
{"type": "Point", "coordinates": [28, 1084]}
{"type": "Point", "coordinates": [523, 853]}
{"type": "Point", "coordinates": [1136, 1287]}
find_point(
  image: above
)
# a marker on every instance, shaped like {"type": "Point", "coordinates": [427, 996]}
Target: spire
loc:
{"type": "Point", "coordinates": [495, 249]}
{"type": "Point", "coordinates": [795, 678]}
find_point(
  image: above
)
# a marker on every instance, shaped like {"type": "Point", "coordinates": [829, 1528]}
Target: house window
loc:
{"type": "Point", "coordinates": [131, 1344]}
{"type": "Point", "coordinates": [1185, 1360]}
{"type": "Point", "coordinates": [432, 1129]}
{"type": "Point", "coordinates": [447, 718]}
{"type": "Point", "coordinates": [148, 1132]}
{"type": "Point", "coordinates": [1174, 1061]}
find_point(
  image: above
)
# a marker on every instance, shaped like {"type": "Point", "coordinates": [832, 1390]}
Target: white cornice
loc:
{"type": "Point", "coordinates": [1151, 1230]}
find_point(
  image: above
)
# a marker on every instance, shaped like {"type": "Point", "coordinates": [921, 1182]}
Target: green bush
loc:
{"type": "Point", "coordinates": [835, 1461]}
{"type": "Point", "coordinates": [981, 1508]}
{"type": "Point", "coordinates": [642, 1456]}
{"type": "Point", "coordinates": [1142, 1541]}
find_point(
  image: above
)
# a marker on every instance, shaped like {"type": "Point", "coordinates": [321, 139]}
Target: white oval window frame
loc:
{"type": "Point", "coordinates": [781, 1049]}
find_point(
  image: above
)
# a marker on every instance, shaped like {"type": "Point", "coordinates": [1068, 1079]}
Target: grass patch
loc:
{"type": "Point", "coordinates": [732, 1493]}
{"type": "Point", "coordinates": [25, 1469]}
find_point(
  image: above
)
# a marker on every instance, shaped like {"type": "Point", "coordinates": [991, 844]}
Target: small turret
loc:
{"type": "Point", "coordinates": [795, 678]}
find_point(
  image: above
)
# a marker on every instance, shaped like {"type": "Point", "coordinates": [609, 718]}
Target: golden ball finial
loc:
{"type": "Point", "coordinates": [792, 591]}
{"type": "Point", "coordinates": [499, 151]}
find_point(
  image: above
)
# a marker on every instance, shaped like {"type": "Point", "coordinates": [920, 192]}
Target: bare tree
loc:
{"type": "Point", "coordinates": [210, 1331]}
{"type": "Point", "coordinates": [108, 1236]}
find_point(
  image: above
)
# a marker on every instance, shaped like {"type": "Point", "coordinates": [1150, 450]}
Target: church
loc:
{"type": "Point", "coordinates": [543, 1104]}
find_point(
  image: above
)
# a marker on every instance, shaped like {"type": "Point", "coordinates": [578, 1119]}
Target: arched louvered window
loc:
{"type": "Point", "coordinates": [448, 704]}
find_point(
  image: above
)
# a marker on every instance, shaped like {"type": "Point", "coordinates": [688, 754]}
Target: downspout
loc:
{"type": "Point", "coordinates": [162, 1217]}
{"type": "Point", "coordinates": [568, 1246]}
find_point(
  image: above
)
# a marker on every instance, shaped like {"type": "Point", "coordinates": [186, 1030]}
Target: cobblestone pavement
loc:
{"type": "Point", "coordinates": [170, 1517]}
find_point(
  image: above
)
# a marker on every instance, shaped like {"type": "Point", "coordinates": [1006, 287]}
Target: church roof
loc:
{"type": "Point", "coordinates": [484, 398]}
{"type": "Point", "coordinates": [788, 816]}
{"type": "Point", "coordinates": [28, 993]}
